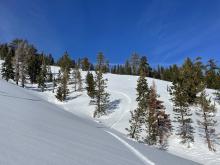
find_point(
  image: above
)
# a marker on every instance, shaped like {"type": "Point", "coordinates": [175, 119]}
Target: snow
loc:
{"type": "Point", "coordinates": [136, 152]}
{"type": "Point", "coordinates": [35, 129]}
{"type": "Point", "coordinates": [123, 94]}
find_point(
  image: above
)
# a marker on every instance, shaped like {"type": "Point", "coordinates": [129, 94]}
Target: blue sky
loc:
{"type": "Point", "coordinates": [166, 31]}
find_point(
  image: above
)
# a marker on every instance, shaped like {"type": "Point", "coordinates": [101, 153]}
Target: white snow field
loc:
{"type": "Point", "coordinates": [34, 131]}
{"type": "Point", "coordinates": [38, 129]}
{"type": "Point", "coordinates": [123, 94]}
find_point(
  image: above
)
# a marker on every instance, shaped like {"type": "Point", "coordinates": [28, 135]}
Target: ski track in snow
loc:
{"type": "Point", "coordinates": [124, 110]}
{"type": "Point", "coordinates": [133, 150]}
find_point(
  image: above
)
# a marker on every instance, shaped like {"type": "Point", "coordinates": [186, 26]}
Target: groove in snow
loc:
{"type": "Point", "coordinates": [132, 149]}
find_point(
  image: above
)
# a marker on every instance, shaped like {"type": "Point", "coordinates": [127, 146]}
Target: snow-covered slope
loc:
{"type": "Point", "coordinates": [34, 131]}
{"type": "Point", "coordinates": [123, 95]}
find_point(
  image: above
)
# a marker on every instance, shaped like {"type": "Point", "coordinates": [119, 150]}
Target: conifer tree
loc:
{"type": "Point", "coordinates": [151, 117]}
{"type": "Point", "coordinates": [128, 70]}
{"type": "Point", "coordinates": [101, 98]}
{"type": "Point", "coordinates": [63, 90]}
{"type": "Point", "coordinates": [85, 64]}
{"type": "Point", "coordinates": [157, 121]}
{"type": "Point", "coordinates": [192, 79]}
{"type": "Point", "coordinates": [4, 50]}
{"type": "Point", "coordinates": [74, 75]}
{"type": "Point", "coordinates": [138, 115]}
{"type": "Point", "coordinates": [135, 61]}
{"type": "Point", "coordinates": [33, 63]}
{"type": "Point", "coordinates": [65, 66]}
{"type": "Point", "coordinates": [90, 85]}
{"type": "Point", "coordinates": [79, 79]}
{"type": "Point", "coordinates": [59, 94]}
{"type": "Point", "coordinates": [181, 108]}
{"type": "Point", "coordinates": [42, 76]}
{"type": "Point", "coordinates": [7, 67]}
{"type": "Point", "coordinates": [206, 121]}
{"type": "Point", "coordinates": [18, 46]}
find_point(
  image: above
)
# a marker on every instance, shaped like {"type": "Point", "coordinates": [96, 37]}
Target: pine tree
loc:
{"type": "Point", "coordinates": [151, 117]}
{"type": "Point", "coordinates": [65, 66]}
{"type": "Point", "coordinates": [74, 75]}
{"type": "Point", "coordinates": [211, 76]}
{"type": "Point", "coordinates": [59, 94]}
{"type": "Point", "coordinates": [128, 70]}
{"type": "Point", "coordinates": [17, 45]}
{"type": "Point", "coordinates": [34, 67]}
{"type": "Point", "coordinates": [101, 98]}
{"type": "Point", "coordinates": [181, 108]}
{"type": "Point", "coordinates": [63, 90]}
{"type": "Point", "coordinates": [207, 122]}
{"type": "Point", "coordinates": [138, 115]}
{"type": "Point", "coordinates": [90, 85]}
{"type": "Point", "coordinates": [79, 79]}
{"type": "Point", "coordinates": [157, 121]}
{"type": "Point", "coordinates": [164, 126]}
{"type": "Point", "coordinates": [26, 51]}
{"type": "Point", "coordinates": [192, 80]}
{"type": "Point", "coordinates": [7, 67]}
{"type": "Point", "coordinates": [4, 50]}
{"type": "Point", "coordinates": [42, 76]}
{"type": "Point", "coordinates": [135, 62]}
{"type": "Point", "coordinates": [85, 64]}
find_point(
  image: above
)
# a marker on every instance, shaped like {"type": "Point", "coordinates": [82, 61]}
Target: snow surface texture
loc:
{"type": "Point", "coordinates": [123, 94]}
{"type": "Point", "coordinates": [34, 131]}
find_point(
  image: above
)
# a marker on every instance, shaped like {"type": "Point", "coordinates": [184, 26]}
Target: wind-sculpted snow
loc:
{"type": "Point", "coordinates": [34, 131]}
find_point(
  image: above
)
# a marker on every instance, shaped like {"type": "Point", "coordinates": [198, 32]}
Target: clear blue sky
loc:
{"type": "Point", "coordinates": [166, 31]}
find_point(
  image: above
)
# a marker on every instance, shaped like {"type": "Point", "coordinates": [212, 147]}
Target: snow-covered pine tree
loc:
{"type": "Point", "coordinates": [90, 85]}
{"type": "Point", "coordinates": [206, 121]}
{"type": "Point", "coordinates": [7, 67]}
{"type": "Point", "coordinates": [141, 112]}
{"type": "Point", "coordinates": [42, 76]}
{"type": "Point", "coordinates": [101, 99]}
{"type": "Point", "coordinates": [181, 108]}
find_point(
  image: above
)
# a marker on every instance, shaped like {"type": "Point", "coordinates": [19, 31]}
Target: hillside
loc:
{"type": "Point", "coordinates": [123, 95]}
{"type": "Point", "coordinates": [34, 131]}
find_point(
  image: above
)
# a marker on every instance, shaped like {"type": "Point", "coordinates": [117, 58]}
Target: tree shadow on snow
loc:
{"type": "Point", "coordinates": [113, 105]}
{"type": "Point", "coordinates": [73, 97]}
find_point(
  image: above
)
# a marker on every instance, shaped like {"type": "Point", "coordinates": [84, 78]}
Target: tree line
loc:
{"type": "Point", "coordinates": [211, 72]}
